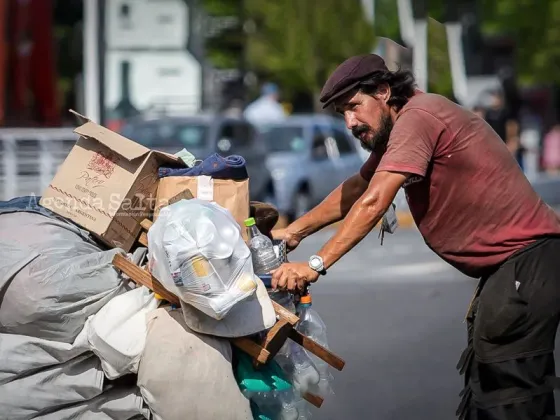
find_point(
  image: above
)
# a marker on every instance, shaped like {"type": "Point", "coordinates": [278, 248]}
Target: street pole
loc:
{"type": "Point", "coordinates": [92, 86]}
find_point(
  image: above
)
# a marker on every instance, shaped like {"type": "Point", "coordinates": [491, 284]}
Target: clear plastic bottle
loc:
{"type": "Point", "coordinates": [262, 250]}
{"type": "Point", "coordinates": [312, 326]}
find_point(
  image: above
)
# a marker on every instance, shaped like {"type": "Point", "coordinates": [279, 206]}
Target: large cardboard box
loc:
{"type": "Point", "coordinates": [107, 184]}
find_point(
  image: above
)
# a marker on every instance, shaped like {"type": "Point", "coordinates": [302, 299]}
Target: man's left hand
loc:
{"type": "Point", "coordinates": [293, 276]}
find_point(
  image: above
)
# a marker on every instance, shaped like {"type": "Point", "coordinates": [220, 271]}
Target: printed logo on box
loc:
{"type": "Point", "coordinates": [103, 163]}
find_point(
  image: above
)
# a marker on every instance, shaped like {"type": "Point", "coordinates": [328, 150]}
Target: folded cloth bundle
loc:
{"type": "Point", "coordinates": [216, 166]}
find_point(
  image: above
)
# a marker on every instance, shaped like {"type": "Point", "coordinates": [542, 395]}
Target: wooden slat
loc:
{"type": "Point", "coordinates": [283, 313]}
{"type": "Point", "coordinates": [313, 399]}
{"type": "Point", "coordinates": [275, 338]}
{"type": "Point", "coordinates": [252, 348]}
{"type": "Point", "coordinates": [318, 350]}
{"type": "Point", "coordinates": [146, 224]}
{"type": "Point", "coordinates": [143, 239]}
{"type": "Point", "coordinates": [144, 278]}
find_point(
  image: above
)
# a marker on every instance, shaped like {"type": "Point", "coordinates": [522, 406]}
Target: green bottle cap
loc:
{"type": "Point", "coordinates": [250, 222]}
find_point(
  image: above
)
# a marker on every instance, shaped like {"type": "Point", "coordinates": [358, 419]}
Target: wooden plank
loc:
{"type": "Point", "coordinates": [143, 239]}
{"type": "Point", "coordinates": [313, 399]}
{"type": "Point", "coordinates": [275, 338]}
{"type": "Point", "coordinates": [146, 224]}
{"type": "Point", "coordinates": [283, 313]}
{"type": "Point", "coordinates": [318, 350]}
{"type": "Point", "coordinates": [141, 276]}
{"type": "Point", "coordinates": [252, 348]}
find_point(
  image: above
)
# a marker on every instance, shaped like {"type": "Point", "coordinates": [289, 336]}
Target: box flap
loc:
{"type": "Point", "coordinates": [82, 118]}
{"type": "Point", "coordinates": [128, 149]}
{"type": "Point", "coordinates": [169, 157]}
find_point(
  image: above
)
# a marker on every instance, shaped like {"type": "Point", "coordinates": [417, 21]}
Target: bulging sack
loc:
{"type": "Point", "coordinates": [197, 252]}
{"type": "Point", "coordinates": [117, 333]}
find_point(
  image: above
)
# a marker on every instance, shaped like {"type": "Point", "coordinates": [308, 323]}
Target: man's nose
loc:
{"type": "Point", "coordinates": [350, 120]}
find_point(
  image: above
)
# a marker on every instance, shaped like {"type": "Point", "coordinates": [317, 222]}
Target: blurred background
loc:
{"type": "Point", "coordinates": [157, 69]}
{"type": "Point", "coordinates": [243, 77]}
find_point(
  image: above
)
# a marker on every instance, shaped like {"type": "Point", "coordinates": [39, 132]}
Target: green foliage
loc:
{"type": "Point", "coordinates": [225, 50]}
{"type": "Point", "coordinates": [439, 65]}
{"type": "Point", "coordinates": [535, 27]}
{"type": "Point", "coordinates": [296, 43]}
{"type": "Point", "coordinates": [301, 42]}
{"type": "Point", "coordinates": [387, 19]}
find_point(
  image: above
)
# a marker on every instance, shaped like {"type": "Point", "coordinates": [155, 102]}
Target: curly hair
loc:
{"type": "Point", "coordinates": [401, 82]}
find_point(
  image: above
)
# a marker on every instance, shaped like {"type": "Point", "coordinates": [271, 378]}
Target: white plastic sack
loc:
{"type": "Point", "coordinates": [117, 333]}
{"type": "Point", "coordinates": [77, 380]}
{"type": "Point", "coordinates": [116, 403]}
{"type": "Point", "coordinates": [196, 250]}
{"type": "Point", "coordinates": [22, 354]}
{"type": "Point", "coordinates": [51, 295]}
{"type": "Point", "coordinates": [253, 315]}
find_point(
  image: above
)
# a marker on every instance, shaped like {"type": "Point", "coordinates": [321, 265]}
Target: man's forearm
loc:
{"type": "Point", "coordinates": [364, 215]}
{"type": "Point", "coordinates": [332, 209]}
{"type": "Point", "coordinates": [361, 219]}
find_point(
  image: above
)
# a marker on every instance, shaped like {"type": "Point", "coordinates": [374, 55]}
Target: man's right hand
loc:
{"type": "Point", "coordinates": [292, 240]}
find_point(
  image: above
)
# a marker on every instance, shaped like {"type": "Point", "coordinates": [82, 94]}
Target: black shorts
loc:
{"type": "Point", "coordinates": [509, 362]}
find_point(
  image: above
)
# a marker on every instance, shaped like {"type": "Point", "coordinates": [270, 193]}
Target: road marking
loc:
{"type": "Point", "coordinates": [392, 273]}
{"type": "Point", "coordinates": [415, 269]}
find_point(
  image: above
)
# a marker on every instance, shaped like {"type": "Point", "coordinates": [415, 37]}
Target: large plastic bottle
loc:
{"type": "Point", "coordinates": [312, 326]}
{"type": "Point", "coordinates": [262, 250]}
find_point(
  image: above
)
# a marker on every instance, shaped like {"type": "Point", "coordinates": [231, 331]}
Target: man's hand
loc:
{"type": "Point", "coordinates": [292, 240]}
{"type": "Point", "coordinates": [293, 276]}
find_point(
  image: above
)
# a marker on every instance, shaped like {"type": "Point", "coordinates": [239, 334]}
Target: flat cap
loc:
{"type": "Point", "coordinates": [349, 74]}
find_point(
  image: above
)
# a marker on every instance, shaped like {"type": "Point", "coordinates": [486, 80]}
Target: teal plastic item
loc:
{"type": "Point", "coordinates": [268, 378]}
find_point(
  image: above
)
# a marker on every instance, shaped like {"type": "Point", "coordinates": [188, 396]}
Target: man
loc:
{"type": "Point", "coordinates": [266, 108]}
{"type": "Point", "coordinates": [474, 208]}
{"type": "Point", "coordinates": [504, 124]}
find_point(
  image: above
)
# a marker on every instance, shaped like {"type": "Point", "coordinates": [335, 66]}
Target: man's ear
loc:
{"type": "Point", "coordinates": [384, 92]}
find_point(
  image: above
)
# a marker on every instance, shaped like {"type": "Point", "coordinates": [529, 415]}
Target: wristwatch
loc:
{"type": "Point", "coordinates": [316, 263]}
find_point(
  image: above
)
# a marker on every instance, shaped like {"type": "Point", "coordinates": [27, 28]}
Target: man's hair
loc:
{"type": "Point", "coordinates": [401, 82]}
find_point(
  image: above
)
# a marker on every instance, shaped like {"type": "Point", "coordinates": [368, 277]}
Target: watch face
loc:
{"type": "Point", "coordinates": [315, 262]}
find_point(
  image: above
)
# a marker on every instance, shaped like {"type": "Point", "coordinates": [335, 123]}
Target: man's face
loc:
{"type": "Point", "coordinates": [368, 117]}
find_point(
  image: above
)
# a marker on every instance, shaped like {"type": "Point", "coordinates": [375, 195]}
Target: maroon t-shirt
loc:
{"type": "Point", "coordinates": [470, 200]}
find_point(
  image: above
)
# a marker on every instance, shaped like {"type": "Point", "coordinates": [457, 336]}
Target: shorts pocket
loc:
{"type": "Point", "coordinates": [503, 314]}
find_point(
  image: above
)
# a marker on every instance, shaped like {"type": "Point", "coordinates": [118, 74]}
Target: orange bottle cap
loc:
{"type": "Point", "coordinates": [305, 299]}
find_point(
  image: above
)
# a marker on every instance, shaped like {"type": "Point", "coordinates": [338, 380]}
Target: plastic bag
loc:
{"type": "Point", "coordinates": [197, 252]}
{"type": "Point", "coordinates": [65, 280]}
{"type": "Point", "coordinates": [117, 333]}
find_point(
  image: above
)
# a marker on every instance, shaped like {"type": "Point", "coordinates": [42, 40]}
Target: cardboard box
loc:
{"type": "Point", "coordinates": [107, 184]}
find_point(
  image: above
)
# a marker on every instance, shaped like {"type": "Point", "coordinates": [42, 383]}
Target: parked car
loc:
{"type": "Point", "coordinates": [308, 157]}
{"type": "Point", "coordinates": [203, 135]}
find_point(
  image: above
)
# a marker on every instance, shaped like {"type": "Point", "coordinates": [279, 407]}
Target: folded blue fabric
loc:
{"type": "Point", "coordinates": [216, 166]}
{"type": "Point", "coordinates": [26, 203]}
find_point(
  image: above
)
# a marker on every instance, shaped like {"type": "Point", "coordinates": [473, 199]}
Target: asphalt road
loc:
{"type": "Point", "coordinates": [395, 314]}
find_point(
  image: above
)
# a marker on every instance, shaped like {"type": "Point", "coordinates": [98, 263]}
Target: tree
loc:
{"type": "Point", "coordinates": [440, 79]}
{"type": "Point", "coordinates": [298, 43]}
{"type": "Point", "coordinates": [535, 28]}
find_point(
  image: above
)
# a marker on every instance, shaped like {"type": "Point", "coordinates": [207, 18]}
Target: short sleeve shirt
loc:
{"type": "Point", "coordinates": [468, 196]}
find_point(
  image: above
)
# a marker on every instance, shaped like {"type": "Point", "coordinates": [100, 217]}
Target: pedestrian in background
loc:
{"type": "Point", "coordinates": [505, 125]}
{"type": "Point", "coordinates": [266, 108]}
{"type": "Point", "coordinates": [551, 150]}
{"type": "Point", "coordinates": [474, 208]}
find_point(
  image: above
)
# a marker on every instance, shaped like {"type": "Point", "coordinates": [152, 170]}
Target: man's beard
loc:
{"type": "Point", "coordinates": [378, 142]}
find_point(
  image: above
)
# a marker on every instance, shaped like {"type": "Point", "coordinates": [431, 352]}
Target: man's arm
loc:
{"type": "Point", "coordinates": [363, 216]}
{"type": "Point", "coordinates": [332, 209]}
